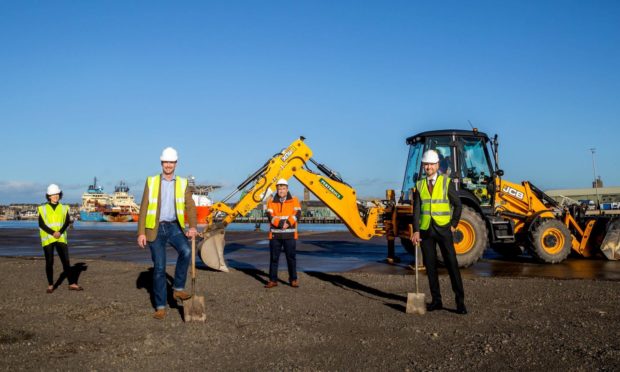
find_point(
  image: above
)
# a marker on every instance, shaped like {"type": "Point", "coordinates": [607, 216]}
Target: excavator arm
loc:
{"type": "Point", "coordinates": [363, 219]}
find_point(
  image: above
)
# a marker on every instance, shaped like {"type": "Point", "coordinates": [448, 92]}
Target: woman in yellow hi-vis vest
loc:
{"type": "Point", "coordinates": [436, 214]}
{"type": "Point", "coordinates": [54, 220]}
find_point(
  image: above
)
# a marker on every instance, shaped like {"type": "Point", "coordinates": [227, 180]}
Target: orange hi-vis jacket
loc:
{"type": "Point", "coordinates": [278, 213]}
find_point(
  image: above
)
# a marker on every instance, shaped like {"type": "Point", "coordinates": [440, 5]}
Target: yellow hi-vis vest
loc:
{"type": "Point", "coordinates": [436, 206]}
{"type": "Point", "coordinates": [179, 200]}
{"type": "Point", "coordinates": [54, 219]}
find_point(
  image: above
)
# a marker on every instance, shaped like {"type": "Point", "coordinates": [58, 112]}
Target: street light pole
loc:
{"type": "Point", "coordinates": [598, 205]}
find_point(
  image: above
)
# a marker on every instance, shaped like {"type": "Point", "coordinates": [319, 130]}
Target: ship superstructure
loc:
{"type": "Point", "coordinates": [200, 194]}
{"type": "Point", "coordinates": [123, 207]}
{"type": "Point", "coordinates": [94, 203]}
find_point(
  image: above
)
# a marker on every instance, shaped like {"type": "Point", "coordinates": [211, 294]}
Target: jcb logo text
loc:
{"type": "Point", "coordinates": [516, 193]}
{"type": "Point", "coordinates": [287, 153]}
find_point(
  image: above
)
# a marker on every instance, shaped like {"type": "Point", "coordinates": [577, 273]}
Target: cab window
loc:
{"type": "Point", "coordinates": [474, 168]}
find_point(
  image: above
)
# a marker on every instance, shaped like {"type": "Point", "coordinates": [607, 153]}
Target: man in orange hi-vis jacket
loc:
{"type": "Point", "coordinates": [283, 212]}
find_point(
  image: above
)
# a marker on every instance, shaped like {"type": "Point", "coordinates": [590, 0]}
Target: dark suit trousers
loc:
{"type": "Point", "coordinates": [442, 236]}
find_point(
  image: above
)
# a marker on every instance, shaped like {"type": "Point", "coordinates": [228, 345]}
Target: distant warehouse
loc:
{"type": "Point", "coordinates": [608, 197]}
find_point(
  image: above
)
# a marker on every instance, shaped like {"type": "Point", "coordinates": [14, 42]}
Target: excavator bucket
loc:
{"type": "Point", "coordinates": [611, 243]}
{"type": "Point", "coordinates": [211, 246]}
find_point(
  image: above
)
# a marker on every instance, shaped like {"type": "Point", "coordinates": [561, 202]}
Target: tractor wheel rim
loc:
{"type": "Point", "coordinates": [466, 232]}
{"type": "Point", "coordinates": [552, 241]}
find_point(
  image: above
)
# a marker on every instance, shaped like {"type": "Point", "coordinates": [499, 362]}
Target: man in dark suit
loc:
{"type": "Point", "coordinates": [436, 214]}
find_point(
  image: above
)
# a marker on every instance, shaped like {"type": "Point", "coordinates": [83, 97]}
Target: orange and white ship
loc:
{"type": "Point", "coordinates": [200, 194]}
{"type": "Point", "coordinates": [123, 206]}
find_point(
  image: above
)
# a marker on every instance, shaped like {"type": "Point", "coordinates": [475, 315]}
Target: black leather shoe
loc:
{"type": "Point", "coordinates": [434, 306]}
{"type": "Point", "coordinates": [461, 309]}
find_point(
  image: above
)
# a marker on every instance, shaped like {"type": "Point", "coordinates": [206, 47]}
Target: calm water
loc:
{"type": "Point", "coordinates": [330, 250]}
{"type": "Point", "coordinates": [132, 226]}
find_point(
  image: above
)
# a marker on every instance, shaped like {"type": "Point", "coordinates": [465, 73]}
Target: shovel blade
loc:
{"type": "Point", "coordinates": [194, 309]}
{"type": "Point", "coordinates": [416, 303]}
{"type": "Point", "coordinates": [611, 244]}
{"type": "Point", "coordinates": [213, 240]}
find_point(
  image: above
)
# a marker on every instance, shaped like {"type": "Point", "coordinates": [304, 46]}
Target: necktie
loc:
{"type": "Point", "coordinates": [430, 186]}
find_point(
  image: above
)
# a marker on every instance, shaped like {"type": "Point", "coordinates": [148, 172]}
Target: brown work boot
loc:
{"type": "Point", "coordinates": [271, 284]}
{"type": "Point", "coordinates": [160, 314]}
{"type": "Point", "coordinates": [295, 283]}
{"type": "Point", "coordinates": [181, 295]}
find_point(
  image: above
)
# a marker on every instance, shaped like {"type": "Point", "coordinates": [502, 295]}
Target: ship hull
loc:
{"type": "Point", "coordinates": [91, 216]}
{"type": "Point", "coordinates": [117, 217]}
{"type": "Point", "coordinates": [202, 212]}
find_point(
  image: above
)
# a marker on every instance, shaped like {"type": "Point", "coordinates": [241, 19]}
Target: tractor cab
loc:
{"type": "Point", "coordinates": [463, 156]}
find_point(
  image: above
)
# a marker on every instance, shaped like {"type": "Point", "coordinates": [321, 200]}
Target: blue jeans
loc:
{"type": "Point", "coordinates": [169, 232]}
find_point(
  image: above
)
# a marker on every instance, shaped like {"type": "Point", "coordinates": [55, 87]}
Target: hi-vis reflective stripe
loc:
{"type": "Point", "coordinates": [435, 201]}
{"type": "Point", "coordinates": [183, 182]}
{"type": "Point", "coordinates": [445, 189]}
{"type": "Point", "coordinates": [179, 192]}
{"type": "Point", "coordinates": [151, 208]}
{"type": "Point", "coordinates": [279, 231]}
{"type": "Point", "coordinates": [279, 217]}
{"type": "Point", "coordinates": [152, 194]}
{"type": "Point", "coordinates": [435, 213]}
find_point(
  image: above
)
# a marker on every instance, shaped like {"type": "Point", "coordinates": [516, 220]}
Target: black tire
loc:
{"type": "Point", "coordinates": [470, 239]}
{"type": "Point", "coordinates": [550, 241]}
{"type": "Point", "coordinates": [509, 250]}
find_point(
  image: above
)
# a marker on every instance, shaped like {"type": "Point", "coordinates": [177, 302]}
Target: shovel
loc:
{"type": "Point", "coordinates": [194, 308]}
{"type": "Point", "coordinates": [415, 301]}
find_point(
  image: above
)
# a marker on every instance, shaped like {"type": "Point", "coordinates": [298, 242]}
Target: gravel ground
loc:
{"type": "Point", "coordinates": [342, 321]}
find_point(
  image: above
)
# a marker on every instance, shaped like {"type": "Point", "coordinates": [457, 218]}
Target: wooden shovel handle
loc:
{"type": "Point", "coordinates": [416, 247]}
{"type": "Point", "coordinates": [193, 258]}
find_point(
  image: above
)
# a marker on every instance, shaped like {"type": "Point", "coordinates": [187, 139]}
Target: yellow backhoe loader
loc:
{"type": "Point", "coordinates": [512, 218]}
{"type": "Point", "coordinates": [508, 216]}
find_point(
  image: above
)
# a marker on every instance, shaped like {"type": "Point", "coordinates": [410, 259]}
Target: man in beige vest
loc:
{"type": "Point", "coordinates": [166, 206]}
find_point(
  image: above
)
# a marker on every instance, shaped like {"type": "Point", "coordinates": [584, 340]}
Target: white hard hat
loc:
{"type": "Point", "coordinates": [53, 189]}
{"type": "Point", "coordinates": [282, 181]}
{"type": "Point", "coordinates": [169, 154]}
{"type": "Point", "coordinates": [430, 157]}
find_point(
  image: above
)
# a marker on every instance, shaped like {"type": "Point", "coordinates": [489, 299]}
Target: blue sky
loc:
{"type": "Point", "coordinates": [99, 88]}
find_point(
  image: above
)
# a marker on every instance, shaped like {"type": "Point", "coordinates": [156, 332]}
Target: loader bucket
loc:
{"type": "Point", "coordinates": [611, 243]}
{"type": "Point", "coordinates": [213, 243]}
